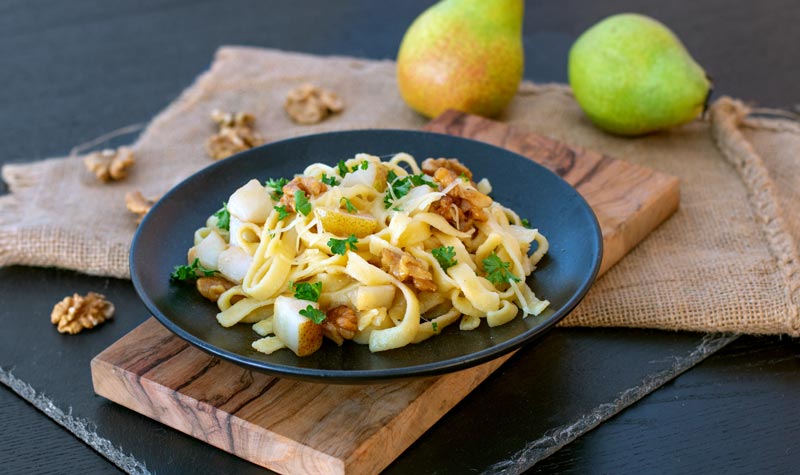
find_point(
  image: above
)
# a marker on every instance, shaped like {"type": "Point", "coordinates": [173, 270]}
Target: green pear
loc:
{"type": "Point", "coordinates": [462, 54]}
{"type": "Point", "coordinates": [631, 75]}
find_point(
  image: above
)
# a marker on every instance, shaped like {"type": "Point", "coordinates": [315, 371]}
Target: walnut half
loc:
{"type": "Point", "coordinates": [138, 204]}
{"type": "Point", "coordinates": [406, 268]}
{"type": "Point", "coordinates": [308, 104]}
{"type": "Point", "coordinates": [73, 314]}
{"type": "Point", "coordinates": [212, 287]}
{"type": "Point", "coordinates": [109, 164]}
{"type": "Point", "coordinates": [341, 323]}
{"type": "Point", "coordinates": [235, 133]}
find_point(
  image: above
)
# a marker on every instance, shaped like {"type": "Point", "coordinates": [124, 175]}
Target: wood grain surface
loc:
{"type": "Point", "coordinates": [300, 427]}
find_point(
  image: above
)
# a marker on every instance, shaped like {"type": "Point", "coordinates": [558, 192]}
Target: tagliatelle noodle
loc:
{"type": "Point", "coordinates": [392, 219]}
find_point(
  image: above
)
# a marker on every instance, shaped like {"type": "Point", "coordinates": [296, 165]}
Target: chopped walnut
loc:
{"type": "Point", "coordinates": [212, 287]}
{"type": "Point", "coordinates": [308, 104]}
{"type": "Point", "coordinates": [73, 314]}
{"type": "Point", "coordinates": [406, 267]}
{"type": "Point", "coordinates": [431, 165]}
{"type": "Point", "coordinates": [340, 324]}
{"type": "Point", "coordinates": [311, 186]}
{"type": "Point", "coordinates": [447, 208]}
{"type": "Point", "coordinates": [110, 164]}
{"type": "Point", "coordinates": [138, 204]}
{"type": "Point", "coordinates": [235, 134]}
{"type": "Point", "coordinates": [463, 204]}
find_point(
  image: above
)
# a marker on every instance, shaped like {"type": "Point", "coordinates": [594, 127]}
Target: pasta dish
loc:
{"type": "Point", "coordinates": [383, 253]}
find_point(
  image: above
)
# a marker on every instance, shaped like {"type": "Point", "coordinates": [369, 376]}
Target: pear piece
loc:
{"type": "Point", "coordinates": [297, 332]}
{"type": "Point", "coordinates": [631, 75]}
{"type": "Point", "coordinates": [342, 223]}
{"type": "Point", "coordinates": [464, 55]}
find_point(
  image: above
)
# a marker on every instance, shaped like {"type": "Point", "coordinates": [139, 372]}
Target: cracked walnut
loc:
{"type": "Point", "coordinates": [110, 164]}
{"type": "Point", "coordinates": [235, 134]}
{"type": "Point", "coordinates": [76, 313]}
{"type": "Point", "coordinates": [308, 104]}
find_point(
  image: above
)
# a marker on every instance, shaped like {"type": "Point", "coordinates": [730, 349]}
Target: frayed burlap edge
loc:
{"type": "Point", "coordinates": [53, 246]}
{"type": "Point", "coordinates": [727, 116]}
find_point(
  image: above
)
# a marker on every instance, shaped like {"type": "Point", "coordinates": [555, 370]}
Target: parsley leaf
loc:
{"type": "Point", "coordinates": [189, 272]}
{"type": "Point", "coordinates": [526, 223]}
{"type": "Point", "coordinates": [363, 165]}
{"type": "Point", "coordinates": [398, 188]}
{"type": "Point", "coordinates": [316, 316]}
{"type": "Point", "coordinates": [282, 213]}
{"type": "Point", "coordinates": [223, 217]}
{"type": "Point", "coordinates": [497, 271]}
{"type": "Point", "coordinates": [339, 246]}
{"type": "Point", "coordinates": [301, 202]}
{"type": "Point", "coordinates": [343, 170]}
{"type": "Point", "coordinates": [329, 180]}
{"type": "Point", "coordinates": [306, 291]}
{"type": "Point", "coordinates": [445, 256]}
{"type": "Point", "coordinates": [348, 205]}
{"type": "Point", "coordinates": [463, 177]}
{"type": "Point", "coordinates": [277, 186]}
{"type": "Point", "coordinates": [435, 326]}
{"type": "Point", "coordinates": [421, 179]}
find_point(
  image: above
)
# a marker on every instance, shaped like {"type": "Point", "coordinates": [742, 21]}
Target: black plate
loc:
{"type": "Point", "coordinates": [555, 208]}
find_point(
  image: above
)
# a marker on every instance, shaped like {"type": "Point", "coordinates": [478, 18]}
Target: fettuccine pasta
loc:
{"type": "Point", "coordinates": [383, 253]}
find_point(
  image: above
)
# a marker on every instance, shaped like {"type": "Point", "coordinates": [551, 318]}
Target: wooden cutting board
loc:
{"type": "Point", "coordinates": [309, 428]}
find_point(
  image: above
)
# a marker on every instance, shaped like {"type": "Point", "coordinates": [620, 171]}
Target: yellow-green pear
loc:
{"type": "Point", "coordinates": [632, 75]}
{"type": "Point", "coordinates": [464, 55]}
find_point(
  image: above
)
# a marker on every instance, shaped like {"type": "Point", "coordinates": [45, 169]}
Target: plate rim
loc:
{"type": "Point", "coordinates": [369, 375]}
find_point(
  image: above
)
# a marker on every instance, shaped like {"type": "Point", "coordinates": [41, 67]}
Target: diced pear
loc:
{"type": "Point", "coordinates": [251, 203]}
{"type": "Point", "coordinates": [234, 226]}
{"type": "Point", "coordinates": [368, 297]}
{"type": "Point", "coordinates": [361, 177]}
{"type": "Point", "coordinates": [208, 251]}
{"type": "Point", "coordinates": [300, 334]}
{"type": "Point", "coordinates": [342, 223]}
{"type": "Point", "coordinates": [233, 263]}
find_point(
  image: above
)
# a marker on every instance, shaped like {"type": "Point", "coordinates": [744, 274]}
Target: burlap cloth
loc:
{"type": "Point", "coordinates": [726, 261]}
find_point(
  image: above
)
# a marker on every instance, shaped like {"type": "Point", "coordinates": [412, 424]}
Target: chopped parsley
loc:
{"type": "Point", "coordinates": [301, 202]}
{"type": "Point", "coordinates": [445, 255]}
{"type": "Point", "coordinates": [398, 188]}
{"type": "Point", "coordinates": [497, 270]}
{"type": "Point", "coordinates": [435, 327]}
{"type": "Point", "coordinates": [463, 177]}
{"type": "Point", "coordinates": [363, 165]}
{"type": "Point", "coordinates": [189, 272]}
{"type": "Point", "coordinates": [348, 205]}
{"type": "Point", "coordinates": [282, 213]}
{"type": "Point", "coordinates": [313, 314]}
{"type": "Point", "coordinates": [339, 246]}
{"type": "Point", "coordinates": [223, 217]}
{"type": "Point", "coordinates": [277, 186]}
{"type": "Point", "coordinates": [343, 170]}
{"type": "Point", "coordinates": [526, 223]}
{"type": "Point", "coordinates": [421, 179]}
{"type": "Point", "coordinates": [329, 180]}
{"type": "Point", "coordinates": [306, 291]}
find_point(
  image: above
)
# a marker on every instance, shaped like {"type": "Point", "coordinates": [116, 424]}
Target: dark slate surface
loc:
{"type": "Point", "coordinates": [736, 413]}
{"type": "Point", "coordinates": [31, 443]}
{"type": "Point", "coordinates": [545, 396]}
{"type": "Point", "coordinates": [74, 70]}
